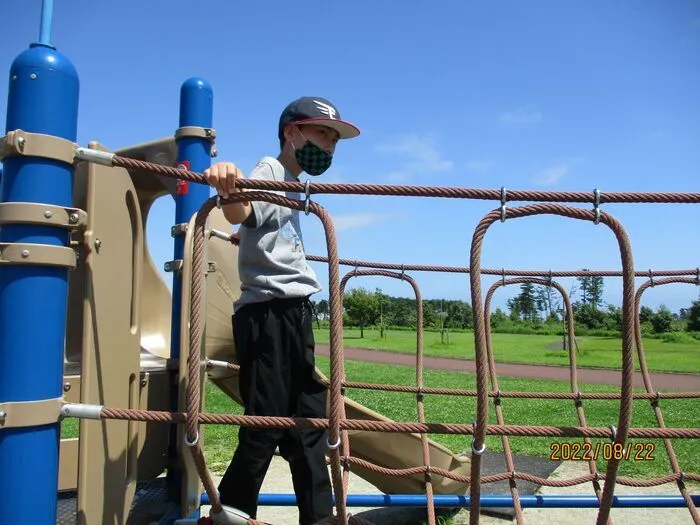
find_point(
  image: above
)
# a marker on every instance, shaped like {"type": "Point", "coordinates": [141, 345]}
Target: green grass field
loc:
{"type": "Point", "coordinates": [220, 441]}
{"type": "Point", "coordinates": [595, 352]}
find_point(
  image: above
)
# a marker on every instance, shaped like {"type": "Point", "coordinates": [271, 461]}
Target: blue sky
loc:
{"type": "Point", "coordinates": [528, 95]}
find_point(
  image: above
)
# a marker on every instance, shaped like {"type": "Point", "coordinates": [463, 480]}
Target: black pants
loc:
{"type": "Point", "coordinates": [275, 346]}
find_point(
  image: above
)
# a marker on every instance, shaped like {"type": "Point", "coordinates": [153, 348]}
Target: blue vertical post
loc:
{"type": "Point", "coordinates": [42, 98]}
{"type": "Point", "coordinates": [194, 153]}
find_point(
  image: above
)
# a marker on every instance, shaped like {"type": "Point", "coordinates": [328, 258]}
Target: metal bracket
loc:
{"type": "Point", "coordinates": [178, 229]}
{"type": "Point", "coordinates": [42, 215]}
{"type": "Point", "coordinates": [15, 414]}
{"type": "Point", "coordinates": [195, 131]}
{"type": "Point", "coordinates": [28, 144]}
{"type": "Point", "coordinates": [211, 266]}
{"type": "Point", "coordinates": [173, 266]}
{"type": "Point", "coordinates": [37, 254]}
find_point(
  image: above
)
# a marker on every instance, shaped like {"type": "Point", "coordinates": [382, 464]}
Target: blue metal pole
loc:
{"type": "Point", "coordinates": [42, 98]}
{"type": "Point", "coordinates": [46, 22]}
{"type": "Point", "coordinates": [194, 153]}
{"type": "Point", "coordinates": [490, 500]}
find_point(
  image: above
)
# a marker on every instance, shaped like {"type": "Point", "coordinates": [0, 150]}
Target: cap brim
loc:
{"type": "Point", "coordinates": [345, 129]}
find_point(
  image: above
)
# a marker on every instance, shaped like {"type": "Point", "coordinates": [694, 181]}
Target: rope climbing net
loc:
{"type": "Point", "coordinates": [338, 425]}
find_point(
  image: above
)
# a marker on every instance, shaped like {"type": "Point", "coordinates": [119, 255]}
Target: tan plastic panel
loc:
{"type": "Point", "coordinates": [110, 344]}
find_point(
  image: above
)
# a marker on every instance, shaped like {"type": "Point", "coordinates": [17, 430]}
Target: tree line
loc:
{"type": "Point", "coordinates": [534, 308]}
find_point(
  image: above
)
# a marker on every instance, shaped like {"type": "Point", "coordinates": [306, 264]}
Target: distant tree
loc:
{"type": "Point", "coordinates": [362, 307]}
{"type": "Point", "coordinates": [662, 320]}
{"type": "Point", "coordinates": [591, 290]}
{"type": "Point", "coordinates": [645, 314]}
{"type": "Point", "coordinates": [694, 317]}
{"type": "Point", "coordinates": [383, 305]}
{"type": "Point", "coordinates": [323, 309]}
{"type": "Point", "coordinates": [498, 319]}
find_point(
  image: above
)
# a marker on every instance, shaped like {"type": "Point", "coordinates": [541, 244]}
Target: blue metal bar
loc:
{"type": "Point", "coordinates": [46, 22]}
{"type": "Point", "coordinates": [551, 501]}
{"type": "Point", "coordinates": [42, 98]}
{"type": "Point", "coordinates": [196, 109]}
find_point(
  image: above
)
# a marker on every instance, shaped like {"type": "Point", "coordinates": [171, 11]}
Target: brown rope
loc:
{"type": "Point", "coordinates": [648, 386]}
{"type": "Point", "coordinates": [627, 336]}
{"type": "Point", "coordinates": [420, 191]}
{"type": "Point", "coordinates": [425, 448]}
{"type": "Point", "coordinates": [156, 416]}
{"type": "Point", "coordinates": [569, 313]}
{"type": "Point", "coordinates": [505, 272]}
{"type": "Point", "coordinates": [338, 425]}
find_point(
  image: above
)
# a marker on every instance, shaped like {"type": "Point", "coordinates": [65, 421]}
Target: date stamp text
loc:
{"type": "Point", "coordinates": [575, 451]}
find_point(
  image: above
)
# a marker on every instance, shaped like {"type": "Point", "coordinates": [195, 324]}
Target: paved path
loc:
{"type": "Point", "coordinates": [673, 381]}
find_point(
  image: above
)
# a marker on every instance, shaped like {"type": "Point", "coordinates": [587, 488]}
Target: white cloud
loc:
{"type": "Point", "coordinates": [351, 221]}
{"type": "Point", "coordinates": [478, 165]}
{"type": "Point", "coordinates": [421, 153]}
{"type": "Point", "coordinates": [522, 115]}
{"type": "Point", "coordinates": [553, 174]}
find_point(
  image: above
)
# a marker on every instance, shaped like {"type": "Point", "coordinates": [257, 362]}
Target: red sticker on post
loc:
{"type": "Point", "coordinates": [181, 185]}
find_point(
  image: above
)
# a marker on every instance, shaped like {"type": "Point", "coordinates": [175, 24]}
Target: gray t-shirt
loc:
{"type": "Point", "coordinates": [271, 260]}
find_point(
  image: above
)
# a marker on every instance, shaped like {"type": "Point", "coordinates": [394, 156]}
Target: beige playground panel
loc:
{"type": "Point", "coordinates": [118, 349]}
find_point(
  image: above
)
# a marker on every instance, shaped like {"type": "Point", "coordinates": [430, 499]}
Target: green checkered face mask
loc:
{"type": "Point", "coordinates": [312, 159]}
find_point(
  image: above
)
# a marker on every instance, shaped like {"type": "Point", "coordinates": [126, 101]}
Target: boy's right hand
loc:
{"type": "Point", "coordinates": [222, 177]}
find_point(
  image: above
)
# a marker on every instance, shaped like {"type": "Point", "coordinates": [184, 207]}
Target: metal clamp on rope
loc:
{"type": "Point", "coordinates": [550, 278]}
{"type": "Point", "coordinates": [332, 446]}
{"type": "Point", "coordinates": [192, 443]}
{"type": "Point", "coordinates": [503, 276]}
{"type": "Point", "coordinates": [307, 191]}
{"type": "Point", "coordinates": [104, 158]}
{"type": "Point", "coordinates": [697, 276]}
{"type": "Point", "coordinates": [355, 271]}
{"type": "Point", "coordinates": [26, 144]}
{"type": "Point", "coordinates": [613, 430]}
{"type": "Point", "coordinates": [402, 272]}
{"type": "Point", "coordinates": [651, 277]}
{"type": "Point", "coordinates": [196, 132]}
{"type": "Point", "coordinates": [481, 450]}
{"type": "Point", "coordinates": [504, 198]}
{"type": "Point", "coordinates": [596, 205]}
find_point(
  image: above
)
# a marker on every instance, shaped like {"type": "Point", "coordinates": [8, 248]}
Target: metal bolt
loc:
{"type": "Point", "coordinates": [48, 214]}
{"type": "Point", "coordinates": [20, 142]}
{"type": "Point", "coordinates": [32, 76]}
{"type": "Point", "coordinates": [98, 243]}
{"type": "Point", "coordinates": [144, 382]}
{"type": "Point", "coordinates": [73, 218]}
{"type": "Point", "coordinates": [14, 77]}
{"type": "Point", "coordinates": [3, 415]}
{"type": "Point", "coordinates": [66, 387]}
{"type": "Point", "coordinates": [25, 254]}
{"type": "Point", "coordinates": [168, 266]}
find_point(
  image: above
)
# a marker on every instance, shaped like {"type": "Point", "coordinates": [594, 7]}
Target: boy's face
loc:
{"type": "Point", "coordinates": [324, 137]}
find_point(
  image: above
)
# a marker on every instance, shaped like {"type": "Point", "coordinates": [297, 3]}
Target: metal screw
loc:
{"type": "Point", "coordinates": [3, 415]}
{"type": "Point", "coordinates": [73, 218]}
{"type": "Point", "coordinates": [98, 243]}
{"type": "Point", "coordinates": [25, 254]}
{"type": "Point", "coordinates": [168, 267]}
{"type": "Point", "coordinates": [20, 142]}
{"type": "Point", "coordinates": [32, 76]}
{"type": "Point", "coordinates": [48, 214]}
{"type": "Point", "coordinates": [14, 77]}
{"type": "Point", "coordinates": [144, 382]}
{"type": "Point", "coordinates": [66, 387]}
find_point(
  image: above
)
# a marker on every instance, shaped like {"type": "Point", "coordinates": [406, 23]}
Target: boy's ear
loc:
{"type": "Point", "coordinates": [288, 132]}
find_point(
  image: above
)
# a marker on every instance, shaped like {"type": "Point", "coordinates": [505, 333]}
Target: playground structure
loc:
{"type": "Point", "coordinates": [115, 344]}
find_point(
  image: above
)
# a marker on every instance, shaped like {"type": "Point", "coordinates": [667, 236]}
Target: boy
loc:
{"type": "Point", "coordinates": [272, 319]}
